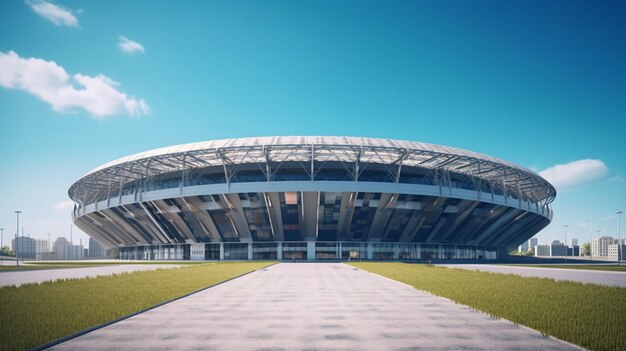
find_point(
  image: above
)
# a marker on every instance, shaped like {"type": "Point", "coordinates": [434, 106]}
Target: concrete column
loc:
{"type": "Point", "coordinates": [370, 251]}
{"type": "Point", "coordinates": [279, 251]}
{"type": "Point", "coordinates": [221, 251]}
{"type": "Point", "coordinates": [339, 250]}
{"type": "Point", "coordinates": [310, 250]}
{"type": "Point", "coordinates": [249, 251]}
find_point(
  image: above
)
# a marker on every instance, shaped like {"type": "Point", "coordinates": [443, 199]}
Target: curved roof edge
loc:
{"type": "Point", "coordinates": [463, 161]}
{"type": "Point", "coordinates": [302, 140]}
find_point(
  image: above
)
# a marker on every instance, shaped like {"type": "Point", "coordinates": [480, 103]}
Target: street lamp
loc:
{"type": "Point", "coordinates": [590, 241]}
{"type": "Point", "coordinates": [17, 241]}
{"type": "Point", "coordinates": [619, 239]}
{"type": "Point", "coordinates": [566, 249]}
{"type": "Point", "coordinates": [1, 244]}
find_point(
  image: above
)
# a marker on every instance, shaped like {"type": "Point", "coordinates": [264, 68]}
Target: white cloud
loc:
{"type": "Point", "coordinates": [575, 173]}
{"type": "Point", "coordinates": [129, 46]}
{"type": "Point", "coordinates": [53, 13]}
{"type": "Point", "coordinates": [64, 206]}
{"type": "Point", "coordinates": [48, 81]}
{"type": "Point", "coordinates": [616, 179]}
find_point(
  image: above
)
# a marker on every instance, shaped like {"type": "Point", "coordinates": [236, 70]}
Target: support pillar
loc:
{"type": "Point", "coordinates": [310, 250]}
{"type": "Point", "coordinates": [279, 251]}
{"type": "Point", "coordinates": [221, 251]}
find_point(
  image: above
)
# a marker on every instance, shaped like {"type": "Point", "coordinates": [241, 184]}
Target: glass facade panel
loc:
{"type": "Point", "coordinates": [329, 207]}
{"type": "Point", "coordinates": [291, 212]}
{"type": "Point", "coordinates": [448, 252]}
{"type": "Point", "coordinates": [383, 251]}
{"type": "Point", "coordinates": [224, 225]}
{"type": "Point", "coordinates": [326, 251]}
{"type": "Point", "coordinates": [353, 251]}
{"type": "Point", "coordinates": [465, 252]}
{"type": "Point", "coordinates": [429, 251]}
{"type": "Point", "coordinates": [264, 251]}
{"type": "Point", "coordinates": [408, 252]}
{"type": "Point", "coordinates": [364, 211]}
{"type": "Point", "coordinates": [235, 251]}
{"type": "Point", "coordinates": [256, 213]}
{"type": "Point", "coordinates": [397, 223]}
{"type": "Point", "coordinates": [212, 251]}
{"type": "Point", "coordinates": [323, 251]}
{"type": "Point", "coordinates": [295, 251]}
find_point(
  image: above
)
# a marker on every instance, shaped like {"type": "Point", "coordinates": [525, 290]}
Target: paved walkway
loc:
{"type": "Point", "coordinates": [577, 275]}
{"type": "Point", "coordinates": [312, 306]}
{"type": "Point", "coordinates": [41, 275]}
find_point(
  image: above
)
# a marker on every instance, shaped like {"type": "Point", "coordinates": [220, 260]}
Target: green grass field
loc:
{"type": "Point", "coordinates": [588, 315]}
{"type": "Point", "coordinates": [593, 267]}
{"type": "Point", "coordinates": [34, 314]}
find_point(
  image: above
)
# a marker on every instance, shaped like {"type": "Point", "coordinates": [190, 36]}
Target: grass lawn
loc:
{"type": "Point", "coordinates": [34, 314]}
{"type": "Point", "coordinates": [593, 267]}
{"type": "Point", "coordinates": [592, 316]}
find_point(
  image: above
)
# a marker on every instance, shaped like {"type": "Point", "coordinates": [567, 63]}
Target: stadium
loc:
{"type": "Point", "coordinates": [311, 198]}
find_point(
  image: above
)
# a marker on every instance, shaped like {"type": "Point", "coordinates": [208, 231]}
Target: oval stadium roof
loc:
{"type": "Point", "coordinates": [322, 148]}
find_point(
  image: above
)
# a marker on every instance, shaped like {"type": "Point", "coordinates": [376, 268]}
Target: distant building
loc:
{"type": "Point", "coordinates": [574, 242]}
{"type": "Point", "coordinates": [25, 247]}
{"type": "Point", "coordinates": [76, 252]}
{"type": "Point", "coordinates": [61, 247]}
{"type": "Point", "coordinates": [524, 247]}
{"type": "Point", "coordinates": [41, 248]}
{"type": "Point", "coordinates": [612, 252]}
{"type": "Point", "coordinates": [573, 251]}
{"type": "Point", "coordinates": [542, 250]}
{"type": "Point", "coordinates": [557, 248]}
{"type": "Point", "coordinates": [600, 246]}
{"type": "Point", "coordinates": [528, 245]}
{"type": "Point", "coordinates": [95, 249]}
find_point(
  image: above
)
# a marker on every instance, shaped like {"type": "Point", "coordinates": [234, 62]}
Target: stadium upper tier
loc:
{"type": "Point", "coordinates": [310, 158]}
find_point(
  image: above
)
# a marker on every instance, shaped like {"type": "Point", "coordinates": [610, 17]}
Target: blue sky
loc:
{"type": "Point", "coordinates": [537, 83]}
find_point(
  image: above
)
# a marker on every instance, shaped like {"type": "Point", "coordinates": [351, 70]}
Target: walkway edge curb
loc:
{"type": "Point", "coordinates": [119, 319]}
{"type": "Point", "coordinates": [475, 309]}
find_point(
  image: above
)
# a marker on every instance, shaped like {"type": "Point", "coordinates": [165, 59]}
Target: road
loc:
{"type": "Point", "coordinates": [41, 275]}
{"type": "Point", "coordinates": [577, 275]}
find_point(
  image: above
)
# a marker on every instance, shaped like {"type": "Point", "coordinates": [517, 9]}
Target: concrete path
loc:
{"type": "Point", "coordinates": [312, 306]}
{"type": "Point", "coordinates": [39, 276]}
{"type": "Point", "coordinates": [577, 275]}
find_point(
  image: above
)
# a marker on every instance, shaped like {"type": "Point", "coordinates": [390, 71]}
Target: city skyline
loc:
{"type": "Point", "coordinates": [536, 84]}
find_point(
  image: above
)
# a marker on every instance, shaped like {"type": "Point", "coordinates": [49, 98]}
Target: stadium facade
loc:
{"type": "Point", "coordinates": [311, 198]}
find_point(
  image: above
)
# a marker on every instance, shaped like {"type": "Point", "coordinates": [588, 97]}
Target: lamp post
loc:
{"type": "Point", "coordinates": [17, 241]}
{"type": "Point", "coordinates": [566, 249]}
{"type": "Point", "coordinates": [619, 239]}
{"type": "Point", "coordinates": [1, 244]}
{"type": "Point", "coordinates": [598, 241]}
{"type": "Point", "coordinates": [590, 240]}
